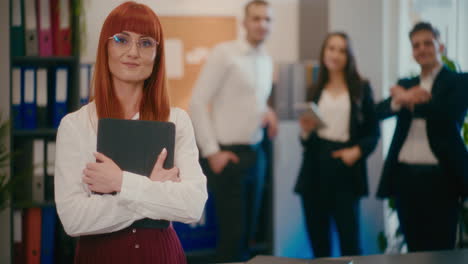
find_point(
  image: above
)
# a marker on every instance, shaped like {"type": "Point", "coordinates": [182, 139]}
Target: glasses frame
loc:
{"type": "Point", "coordinates": [136, 41]}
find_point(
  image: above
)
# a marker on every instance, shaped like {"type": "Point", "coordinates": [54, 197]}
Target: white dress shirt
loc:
{"type": "Point", "coordinates": [416, 149]}
{"type": "Point", "coordinates": [230, 96]}
{"type": "Point", "coordinates": [84, 213]}
{"type": "Point", "coordinates": [335, 112]}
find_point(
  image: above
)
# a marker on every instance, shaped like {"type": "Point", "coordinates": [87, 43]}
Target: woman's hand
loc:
{"type": "Point", "coordinates": [349, 156]}
{"type": "Point", "coordinates": [161, 174]}
{"type": "Point", "coordinates": [308, 124]}
{"type": "Point", "coordinates": [103, 176]}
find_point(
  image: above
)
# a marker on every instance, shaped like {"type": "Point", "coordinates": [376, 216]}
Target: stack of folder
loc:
{"type": "Point", "coordinates": [41, 92]}
{"type": "Point", "coordinates": [35, 219]}
{"type": "Point", "coordinates": [34, 105]}
{"type": "Point", "coordinates": [41, 28]}
{"type": "Point", "coordinates": [35, 235]}
{"type": "Point", "coordinates": [34, 165]}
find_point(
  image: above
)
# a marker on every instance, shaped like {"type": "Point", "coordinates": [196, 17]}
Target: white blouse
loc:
{"type": "Point", "coordinates": [335, 112]}
{"type": "Point", "coordinates": [84, 213]}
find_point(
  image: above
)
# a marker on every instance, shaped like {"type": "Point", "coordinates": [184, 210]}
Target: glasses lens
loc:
{"type": "Point", "coordinates": [147, 43]}
{"type": "Point", "coordinates": [121, 39]}
{"type": "Point", "coordinates": [147, 46]}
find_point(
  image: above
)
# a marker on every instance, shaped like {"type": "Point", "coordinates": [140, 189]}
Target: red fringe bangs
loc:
{"type": "Point", "coordinates": [136, 18]}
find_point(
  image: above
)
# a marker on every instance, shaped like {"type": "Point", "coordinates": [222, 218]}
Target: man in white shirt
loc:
{"type": "Point", "coordinates": [229, 111]}
{"type": "Point", "coordinates": [426, 168]}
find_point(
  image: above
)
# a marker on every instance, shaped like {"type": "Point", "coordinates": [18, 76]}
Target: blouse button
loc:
{"type": "Point", "coordinates": [137, 246]}
{"type": "Point", "coordinates": [134, 230]}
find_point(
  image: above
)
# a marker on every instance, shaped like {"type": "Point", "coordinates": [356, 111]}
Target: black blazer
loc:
{"type": "Point", "coordinates": [364, 131]}
{"type": "Point", "coordinates": [444, 115]}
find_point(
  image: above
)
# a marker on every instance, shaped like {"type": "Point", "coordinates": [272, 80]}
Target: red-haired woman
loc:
{"type": "Point", "coordinates": [132, 226]}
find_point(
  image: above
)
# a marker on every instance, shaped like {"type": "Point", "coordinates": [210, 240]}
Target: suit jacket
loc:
{"type": "Point", "coordinates": [363, 130]}
{"type": "Point", "coordinates": [444, 115]}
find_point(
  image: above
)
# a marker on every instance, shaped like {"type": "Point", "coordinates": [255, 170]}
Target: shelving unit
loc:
{"type": "Point", "coordinates": [22, 139]}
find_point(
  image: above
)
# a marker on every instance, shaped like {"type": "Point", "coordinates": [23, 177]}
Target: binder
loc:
{"type": "Point", "coordinates": [282, 96]}
{"type": "Point", "coordinates": [29, 96]}
{"type": "Point", "coordinates": [85, 72]}
{"type": "Point", "coordinates": [44, 28]}
{"type": "Point", "coordinates": [32, 235]}
{"type": "Point", "coordinates": [30, 33]}
{"type": "Point", "coordinates": [17, 28]}
{"type": "Point", "coordinates": [23, 166]}
{"type": "Point", "coordinates": [91, 78]}
{"type": "Point", "coordinates": [18, 244]}
{"type": "Point", "coordinates": [134, 145]}
{"type": "Point", "coordinates": [298, 87]}
{"type": "Point", "coordinates": [65, 28]}
{"type": "Point", "coordinates": [41, 97]}
{"type": "Point", "coordinates": [38, 175]}
{"type": "Point", "coordinates": [60, 96]}
{"type": "Point", "coordinates": [50, 171]}
{"type": "Point", "coordinates": [16, 106]}
{"type": "Point", "coordinates": [61, 30]}
{"type": "Point", "coordinates": [49, 220]}
{"type": "Point", "coordinates": [50, 158]}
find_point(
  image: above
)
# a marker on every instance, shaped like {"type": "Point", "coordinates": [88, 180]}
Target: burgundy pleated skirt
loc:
{"type": "Point", "coordinates": [131, 245]}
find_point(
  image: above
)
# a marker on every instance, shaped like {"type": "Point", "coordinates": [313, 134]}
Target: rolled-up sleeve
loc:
{"type": "Point", "coordinates": [81, 212]}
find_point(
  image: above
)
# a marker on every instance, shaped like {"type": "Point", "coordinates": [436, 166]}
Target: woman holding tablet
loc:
{"type": "Point", "coordinates": [129, 83]}
{"type": "Point", "coordinates": [333, 175]}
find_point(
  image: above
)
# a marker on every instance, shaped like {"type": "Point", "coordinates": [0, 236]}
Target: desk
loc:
{"type": "Point", "coordinates": [434, 257]}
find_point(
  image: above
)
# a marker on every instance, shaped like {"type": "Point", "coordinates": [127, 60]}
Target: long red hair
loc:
{"type": "Point", "coordinates": [138, 18]}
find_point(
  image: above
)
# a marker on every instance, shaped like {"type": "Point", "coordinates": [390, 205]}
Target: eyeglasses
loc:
{"type": "Point", "coordinates": [146, 45]}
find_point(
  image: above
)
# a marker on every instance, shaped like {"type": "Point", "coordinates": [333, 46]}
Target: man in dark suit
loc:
{"type": "Point", "coordinates": [426, 170]}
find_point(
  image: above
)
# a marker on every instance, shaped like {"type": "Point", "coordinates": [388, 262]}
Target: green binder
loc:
{"type": "Point", "coordinates": [17, 28]}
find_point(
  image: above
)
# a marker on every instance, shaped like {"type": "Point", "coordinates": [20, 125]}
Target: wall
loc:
{"type": "Point", "coordinates": [5, 110]}
{"type": "Point", "coordinates": [289, 237]}
{"type": "Point", "coordinates": [363, 20]}
{"type": "Point", "coordinates": [282, 44]}
{"type": "Point", "coordinates": [391, 46]}
{"type": "Point", "coordinates": [313, 27]}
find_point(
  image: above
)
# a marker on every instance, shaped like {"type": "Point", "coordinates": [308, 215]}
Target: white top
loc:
{"type": "Point", "coordinates": [230, 96]}
{"type": "Point", "coordinates": [84, 213]}
{"type": "Point", "coordinates": [416, 149]}
{"type": "Point", "coordinates": [335, 112]}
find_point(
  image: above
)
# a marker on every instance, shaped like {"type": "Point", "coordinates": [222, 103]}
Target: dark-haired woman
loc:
{"type": "Point", "coordinates": [333, 175]}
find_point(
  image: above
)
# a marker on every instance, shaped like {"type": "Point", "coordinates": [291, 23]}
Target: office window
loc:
{"type": "Point", "coordinates": [449, 16]}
